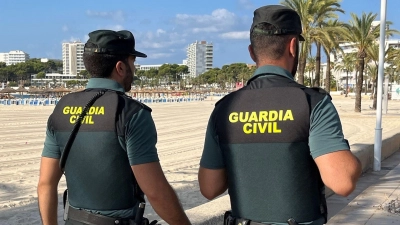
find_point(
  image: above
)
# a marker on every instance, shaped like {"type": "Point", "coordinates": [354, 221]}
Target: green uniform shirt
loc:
{"type": "Point", "coordinates": [325, 135]}
{"type": "Point", "coordinates": [139, 142]}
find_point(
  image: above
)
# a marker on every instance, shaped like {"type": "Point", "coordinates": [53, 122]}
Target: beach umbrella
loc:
{"type": "Point", "coordinates": [7, 91]}
{"type": "Point", "coordinates": [35, 91]}
{"type": "Point", "coordinates": [21, 90]}
{"type": "Point", "coordinates": [77, 89]}
{"type": "Point", "coordinates": [61, 91]}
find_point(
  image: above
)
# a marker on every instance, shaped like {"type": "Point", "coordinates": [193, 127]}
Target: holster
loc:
{"type": "Point", "coordinates": [65, 204]}
{"type": "Point", "coordinates": [230, 220]}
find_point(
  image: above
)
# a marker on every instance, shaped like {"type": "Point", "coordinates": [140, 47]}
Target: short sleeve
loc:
{"type": "Point", "coordinates": [326, 133]}
{"type": "Point", "coordinates": [141, 139]}
{"type": "Point", "coordinates": [51, 149]}
{"type": "Point", "coordinates": [212, 157]}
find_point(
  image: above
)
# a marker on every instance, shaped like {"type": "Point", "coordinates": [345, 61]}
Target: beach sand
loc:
{"type": "Point", "coordinates": [181, 128]}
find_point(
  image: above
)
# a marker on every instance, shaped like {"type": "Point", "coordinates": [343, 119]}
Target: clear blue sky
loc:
{"type": "Point", "coordinates": [162, 28]}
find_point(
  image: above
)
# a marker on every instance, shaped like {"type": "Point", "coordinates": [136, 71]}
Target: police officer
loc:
{"type": "Point", "coordinates": [275, 143]}
{"type": "Point", "coordinates": [113, 154]}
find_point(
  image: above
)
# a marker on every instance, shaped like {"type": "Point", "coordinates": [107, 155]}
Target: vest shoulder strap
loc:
{"type": "Point", "coordinates": [127, 107]}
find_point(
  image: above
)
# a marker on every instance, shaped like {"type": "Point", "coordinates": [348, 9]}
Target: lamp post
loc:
{"type": "Point", "coordinates": [378, 129]}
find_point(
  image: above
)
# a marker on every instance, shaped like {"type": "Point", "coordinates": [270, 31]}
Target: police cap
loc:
{"type": "Point", "coordinates": [284, 19]}
{"type": "Point", "coordinates": [113, 42]}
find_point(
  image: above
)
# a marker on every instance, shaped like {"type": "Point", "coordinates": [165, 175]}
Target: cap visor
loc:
{"type": "Point", "coordinates": [139, 54]}
{"type": "Point", "coordinates": [301, 38]}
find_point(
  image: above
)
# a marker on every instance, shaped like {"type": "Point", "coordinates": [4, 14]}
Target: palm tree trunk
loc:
{"type": "Point", "coordinates": [312, 78]}
{"type": "Point", "coordinates": [375, 93]}
{"type": "Point", "coordinates": [359, 85]}
{"type": "Point", "coordinates": [301, 69]}
{"type": "Point", "coordinates": [328, 74]}
{"type": "Point", "coordinates": [347, 83]}
{"type": "Point", "coordinates": [317, 66]}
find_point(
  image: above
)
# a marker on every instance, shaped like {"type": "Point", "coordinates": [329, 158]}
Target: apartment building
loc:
{"type": "Point", "coordinates": [72, 56]}
{"type": "Point", "coordinates": [14, 57]}
{"type": "Point", "coordinates": [199, 57]}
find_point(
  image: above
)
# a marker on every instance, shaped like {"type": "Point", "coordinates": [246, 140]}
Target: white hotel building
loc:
{"type": "Point", "coordinates": [14, 57]}
{"type": "Point", "coordinates": [72, 57]}
{"type": "Point", "coordinates": [199, 57]}
{"type": "Point", "coordinates": [54, 79]}
{"type": "Point", "coordinates": [341, 76]}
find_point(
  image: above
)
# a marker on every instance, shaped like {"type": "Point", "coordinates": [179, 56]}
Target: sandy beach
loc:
{"type": "Point", "coordinates": [181, 128]}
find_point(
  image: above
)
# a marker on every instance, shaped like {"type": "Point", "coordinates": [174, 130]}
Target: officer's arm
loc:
{"type": "Point", "coordinates": [162, 197]}
{"type": "Point", "coordinates": [212, 173]}
{"type": "Point", "coordinates": [213, 182]}
{"type": "Point", "coordinates": [50, 175]}
{"type": "Point", "coordinates": [339, 171]}
{"type": "Point", "coordinates": [143, 158]}
{"type": "Point", "coordinates": [338, 167]}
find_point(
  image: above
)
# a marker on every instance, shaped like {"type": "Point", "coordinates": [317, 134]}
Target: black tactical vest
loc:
{"type": "Point", "coordinates": [263, 132]}
{"type": "Point", "coordinates": [98, 173]}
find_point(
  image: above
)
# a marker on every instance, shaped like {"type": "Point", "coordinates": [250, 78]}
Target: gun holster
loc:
{"type": "Point", "coordinates": [66, 204]}
{"type": "Point", "coordinates": [146, 221]}
{"type": "Point", "coordinates": [228, 219]}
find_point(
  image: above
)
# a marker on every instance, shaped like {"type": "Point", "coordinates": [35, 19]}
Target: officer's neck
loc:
{"type": "Point", "coordinates": [283, 63]}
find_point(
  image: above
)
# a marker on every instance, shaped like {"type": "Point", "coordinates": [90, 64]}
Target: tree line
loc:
{"type": "Point", "coordinates": [19, 74]}
{"type": "Point", "coordinates": [169, 74]}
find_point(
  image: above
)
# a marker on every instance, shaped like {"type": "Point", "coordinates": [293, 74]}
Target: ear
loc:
{"type": "Point", "coordinates": [252, 55]}
{"type": "Point", "coordinates": [293, 47]}
{"type": "Point", "coordinates": [120, 68]}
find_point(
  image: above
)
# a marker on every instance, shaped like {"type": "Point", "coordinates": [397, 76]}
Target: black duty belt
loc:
{"type": "Point", "coordinates": [230, 220]}
{"type": "Point", "coordinates": [86, 217]}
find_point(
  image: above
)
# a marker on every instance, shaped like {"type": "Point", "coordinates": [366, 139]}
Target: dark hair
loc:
{"type": "Point", "coordinates": [101, 65]}
{"type": "Point", "coordinates": [268, 46]}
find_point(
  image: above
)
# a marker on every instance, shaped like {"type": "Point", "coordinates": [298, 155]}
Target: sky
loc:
{"type": "Point", "coordinates": [163, 29]}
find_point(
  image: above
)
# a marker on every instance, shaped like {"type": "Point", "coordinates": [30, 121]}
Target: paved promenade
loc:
{"type": "Point", "coordinates": [181, 128]}
{"type": "Point", "coordinates": [376, 201]}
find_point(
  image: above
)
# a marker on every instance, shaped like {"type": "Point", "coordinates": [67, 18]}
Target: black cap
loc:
{"type": "Point", "coordinates": [113, 42]}
{"type": "Point", "coordinates": [286, 20]}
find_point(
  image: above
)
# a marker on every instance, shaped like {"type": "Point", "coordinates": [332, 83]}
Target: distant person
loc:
{"type": "Point", "coordinates": [274, 143]}
{"type": "Point", "coordinates": [114, 151]}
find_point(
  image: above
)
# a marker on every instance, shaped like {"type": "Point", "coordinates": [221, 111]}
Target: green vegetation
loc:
{"type": "Point", "coordinates": [20, 73]}
{"type": "Point", "coordinates": [322, 29]}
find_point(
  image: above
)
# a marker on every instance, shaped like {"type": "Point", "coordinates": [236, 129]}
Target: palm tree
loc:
{"type": "Point", "coordinates": [324, 10]}
{"type": "Point", "coordinates": [373, 57]}
{"type": "Point", "coordinates": [312, 14]}
{"type": "Point", "coordinates": [333, 30]}
{"type": "Point", "coordinates": [347, 65]}
{"type": "Point", "coordinates": [302, 8]}
{"type": "Point", "coordinates": [362, 34]}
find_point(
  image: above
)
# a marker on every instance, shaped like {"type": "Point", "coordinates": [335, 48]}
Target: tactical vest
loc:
{"type": "Point", "coordinates": [263, 132]}
{"type": "Point", "coordinates": [98, 173]}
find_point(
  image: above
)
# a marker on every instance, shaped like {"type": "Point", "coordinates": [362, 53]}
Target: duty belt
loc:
{"type": "Point", "coordinates": [230, 220]}
{"type": "Point", "coordinates": [86, 217]}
